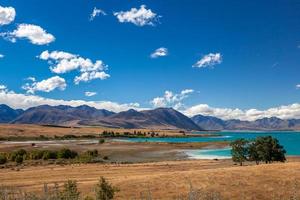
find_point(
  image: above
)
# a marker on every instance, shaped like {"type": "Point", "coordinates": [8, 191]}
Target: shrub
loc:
{"type": "Point", "coordinates": [105, 157]}
{"type": "Point", "coordinates": [104, 190]}
{"type": "Point", "coordinates": [36, 155]}
{"type": "Point", "coordinates": [19, 159]}
{"type": "Point", "coordinates": [93, 153]}
{"type": "Point", "coordinates": [66, 154]}
{"type": "Point", "coordinates": [49, 155]}
{"type": "Point", "coordinates": [101, 141]}
{"type": "Point", "coordinates": [3, 159]}
{"type": "Point", "coordinates": [70, 191]}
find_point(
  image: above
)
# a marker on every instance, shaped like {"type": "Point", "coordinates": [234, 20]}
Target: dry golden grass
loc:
{"type": "Point", "coordinates": [166, 180]}
{"type": "Point", "coordinates": [27, 130]}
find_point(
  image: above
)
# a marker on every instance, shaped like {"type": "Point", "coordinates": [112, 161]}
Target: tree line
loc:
{"type": "Point", "coordinates": [265, 149]}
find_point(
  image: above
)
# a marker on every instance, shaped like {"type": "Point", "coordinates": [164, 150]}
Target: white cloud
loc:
{"type": "Point", "coordinates": [63, 62]}
{"type": "Point", "coordinates": [160, 52]}
{"type": "Point", "coordinates": [90, 94]}
{"type": "Point", "coordinates": [35, 34]}
{"type": "Point", "coordinates": [298, 86]}
{"type": "Point", "coordinates": [7, 15]}
{"type": "Point", "coordinates": [139, 17]}
{"type": "Point", "coordinates": [17, 100]}
{"type": "Point", "coordinates": [208, 60]}
{"type": "Point", "coordinates": [88, 76]}
{"type": "Point", "coordinates": [96, 12]}
{"type": "Point", "coordinates": [47, 85]}
{"type": "Point", "coordinates": [3, 88]}
{"type": "Point", "coordinates": [171, 100]}
{"type": "Point", "coordinates": [1, 56]}
{"type": "Point", "coordinates": [283, 112]}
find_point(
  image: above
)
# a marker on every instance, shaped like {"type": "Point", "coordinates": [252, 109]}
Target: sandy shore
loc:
{"type": "Point", "coordinates": [129, 152]}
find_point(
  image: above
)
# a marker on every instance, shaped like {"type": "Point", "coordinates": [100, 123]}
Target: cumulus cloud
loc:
{"type": "Point", "coordinates": [90, 94]}
{"type": "Point", "coordinates": [283, 112]}
{"type": "Point", "coordinates": [209, 60]}
{"type": "Point", "coordinates": [63, 62]}
{"type": "Point", "coordinates": [35, 34]}
{"type": "Point", "coordinates": [160, 52]}
{"type": "Point", "coordinates": [169, 99]}
{"type": "Point", "coordinates": [47, 85]}
{"type": "Point", "coordinates": [7, 15]}
{"type": "Point", "coordinates": [139, 17]}
{"type": "Point", "coordinates": [96, 12]}
{"type": "Point", "coordinates": [24, 101]}
{"type": "Point", "coordinates": [3, 88]}
{"type": "Point", "coordinates": [1, 56]}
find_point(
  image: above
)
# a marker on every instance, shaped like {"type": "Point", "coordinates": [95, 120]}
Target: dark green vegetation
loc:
{"type": "Point", "coordinates": [45, 138]}
{"type": "Point", "coordinates": [103, 191]}
{"type": "Point", "coordinates": [263, 149]}
{"type": "Point", "coordinates": [135, 134]}
{"type": "Point", "coordinates": [19, 156]}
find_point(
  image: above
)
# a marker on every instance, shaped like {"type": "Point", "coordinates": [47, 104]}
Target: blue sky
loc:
{"type": "Point", "coordinates": [258, 44]}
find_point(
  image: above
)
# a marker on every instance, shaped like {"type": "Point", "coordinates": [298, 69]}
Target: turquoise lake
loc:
{"type": "Point", "coordinates": [289, 139]}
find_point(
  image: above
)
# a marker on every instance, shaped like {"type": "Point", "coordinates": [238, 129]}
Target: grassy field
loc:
{"type": "Point", "coordinates": [159, 170]}
{"type": "Point", "coordinates": [27, 130]}
{"type": "Point", "coordinates": [167, 180]}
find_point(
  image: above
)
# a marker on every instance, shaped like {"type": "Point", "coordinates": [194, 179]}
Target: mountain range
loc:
{"type": "Point", "coordinates": [272, 123]}
{"type": "Point", "coordinates": [159, 118]}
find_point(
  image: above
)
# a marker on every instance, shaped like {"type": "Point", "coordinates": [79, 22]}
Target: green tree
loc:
{"type": "Point", "coordinates": [67, 154]}
{"type": "Point", "coordinates": [3, 158]}
{"type": "Point", "coordinates": [239, 150]}
{"type": "Point", "coordinates": [269, 149]}
{"type": "Point", "coordinates": [19, 159]}
{"type": "Point", "coordinates": [101, 141]}
{"type": "Point", "coordinates": [70, 191]}
{"type": "Point", "coordinates": [253, 152]}
{"type": "Point", "coordinates": [104, 190]}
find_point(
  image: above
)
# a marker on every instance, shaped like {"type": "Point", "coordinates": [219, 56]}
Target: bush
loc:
{"type": "Point", "coordinates": [93, 153]}
{"type": "Point", "coordinates": [104, 190]}
{"type": "Point", "coordinates": [70, 191]}
{"type": "Point", "coordinates": [19, 153]}
{"type": "Point", "coordinates": [19, 159]}
{"type": "Point", "coordinates": [67, 154]}
{"type": "Point", "coordinates": [36, 155]}
{"type": "Point", "coordinates": [101, 141]}
{"type": "Point", "coordinates": [3, 159]}
{"type": "Point", "coordinates": [49, 155]}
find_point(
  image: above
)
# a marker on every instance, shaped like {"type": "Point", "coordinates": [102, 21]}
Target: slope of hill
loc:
{"type": "Point", "coordinates": [8, 114]}
{"type": "Point", "coordinates": [59, 115]}
{"type": "Point", "coordinates": [272, 123]}
{"type": "Point", "coordinates": [160, 118]}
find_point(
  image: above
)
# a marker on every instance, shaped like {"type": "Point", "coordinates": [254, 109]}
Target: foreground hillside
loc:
{"type": "Point", "coordinates": [167, 180]}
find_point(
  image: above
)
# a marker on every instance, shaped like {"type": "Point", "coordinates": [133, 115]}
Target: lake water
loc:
{"type": "Point", "coordinates": [289, 139]}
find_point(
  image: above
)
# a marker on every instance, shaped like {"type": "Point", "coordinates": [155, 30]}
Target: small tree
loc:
{"type": "Point", "coordinates": [67, 154]}
{"type": "Point", "coordinates": [253, 153]}
{"type": "Point", "coordinates": [104, 190]}
{"type": "Point", "coordinates": [239, 150]}
{"type": "Point", "coordinates": [19, 159]}
{"type": "Point", "coordinates": [101, 141]}
{"type": "Point", "coordinates": [70, 191]}
{"type": "Point", "coordinates": [269, 149]}
{"type": "Point", "coordinates": [3, 158]}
